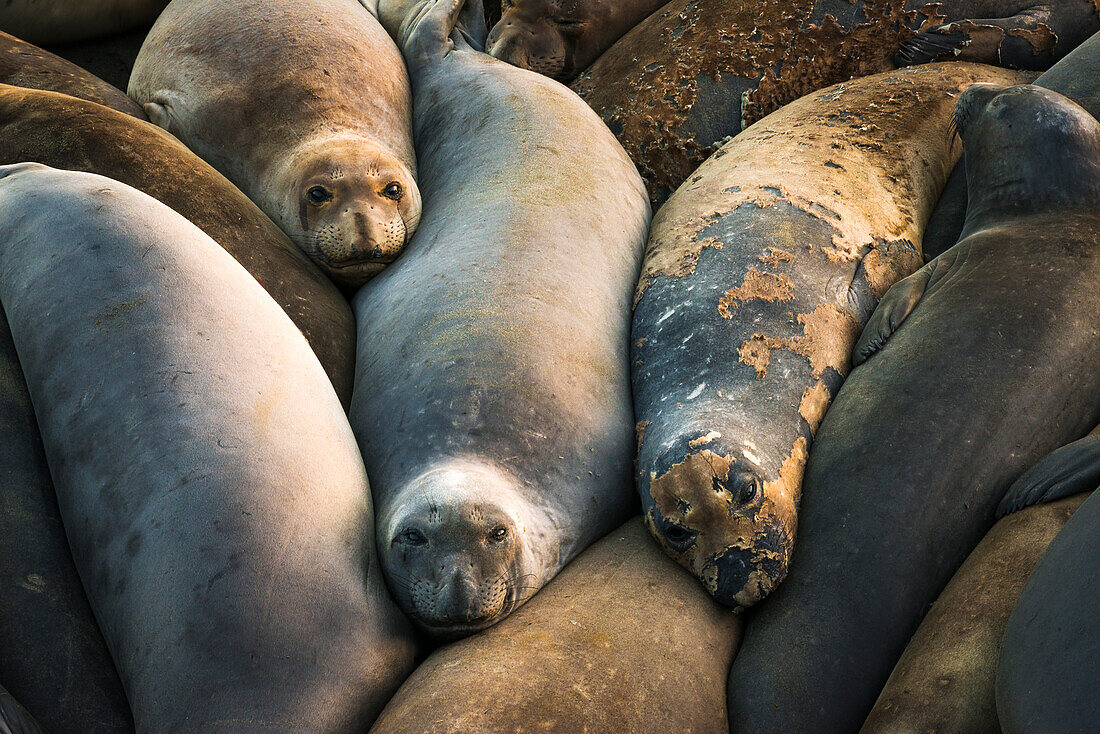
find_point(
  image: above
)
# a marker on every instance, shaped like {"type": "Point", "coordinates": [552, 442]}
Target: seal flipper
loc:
{"type": "Point", "coordinates": [1072, 469]}
{"type": "Point", "coordinates": [924, 47]}
{"type": "Point", "coordinates": [426, 32]}
{"type": "Point", "coordinates": [471, 28]}
{"type": "Point", "coordinates": [14, 719]}
{"type": "Point", "coordinates": [894, 307]}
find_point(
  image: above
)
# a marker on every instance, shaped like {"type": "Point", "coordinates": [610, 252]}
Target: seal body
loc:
{"type": "Point", "coordinates": [210, 486]}
{"type": "Point", "coordinates": [698, 71]}
{"type": "Point", "coordinates": [944, 681]}
{"type": "Point", "coordinates": [63, 21]}
{"type": "Point", "coordinates": [305, 107]}
{"type": "Point", "coordinates": [60, 131]}
{"type": "Point", "coordinates": [54, 658]}
{"type": "Point", "coordinates": [14, 719]}
{"type": "Point", "coordinates": [26, 65]}
{"type": "Point", "coordinates": [759, 273]}
{"type": "Point", "coordinates": [560, 39]}
{"type": "Point", "coordinates": [996, 344]}
{"type": "Point", "coordinates": [492, 395]}
{"type": "Point", "coordinates": [621, 640]}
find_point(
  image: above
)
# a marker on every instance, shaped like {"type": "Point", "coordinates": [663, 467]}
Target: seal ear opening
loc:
{"type": "Point", "coordinates": [160, 114]}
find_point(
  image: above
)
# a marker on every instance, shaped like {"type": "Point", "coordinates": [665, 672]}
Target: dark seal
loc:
{"type": "Point", "coordinates": [979, 361]}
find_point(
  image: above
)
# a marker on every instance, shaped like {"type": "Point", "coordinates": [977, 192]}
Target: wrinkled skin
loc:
{"type": "Point", "coordinates": [969, 371]}
{"type": "Point", "coordinates": [508, 318]}
{"type": "Point", "coordinates": [759, 273]}
{"type": "Point", "coordinates": [313, 127]}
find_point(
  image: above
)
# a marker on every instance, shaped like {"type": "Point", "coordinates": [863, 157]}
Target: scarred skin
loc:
{"type": "Point", "coordinates": [560, 38]}
{"type": "Point", "coordinates": [61, 131]}
{"type": "Point", "coordinates": [697, 71]}
{"type": "Point", "coordinates": [212, 493]}
{"type": "Point", "coordinates": [25, 65]}
{"type": "Point", "coordinates": [305, 107]}
{"type": "Point", "coordinates": [759, 273]}
{"type": "Point", "coordinates": [64, 21]}
{"type": "Point", "coordinates": [944, 681]}
{"type": "Point", "coordinates": [507, 320]}
{"type": "Point", "coordinates": [975, 368]}
{"type": "Point", "coordinates": [621, 641]}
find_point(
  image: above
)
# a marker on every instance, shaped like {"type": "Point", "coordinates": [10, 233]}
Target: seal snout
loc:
{"type": "Point", "coordinates": [531, 44]}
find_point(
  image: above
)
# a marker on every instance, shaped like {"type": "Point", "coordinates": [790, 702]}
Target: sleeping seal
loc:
{"type": "Point", "coordinates": [492, 394]}
{"type": "Point", "coordinates": [304, 106]}
{"type": "Point", "coordinates": [210, 486]}
{"type": "Point", "coordinates": [979, 361]}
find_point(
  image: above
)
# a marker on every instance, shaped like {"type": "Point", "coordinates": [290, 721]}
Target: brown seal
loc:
{"type": "Point", "coordinates": [58, 130]}
{"type": "Point", "coordinates": [305, 106]}
{"type": "Point", "coordinates": [621, 641]}
{"type": "Point", "coordinates": [65, 21]}
{"type": "Point", "coordinates": [25, 65]}
{"type": "Point", "coordinates": [698, 71]}
{"type": "Point", "coordinates": [560, 39]}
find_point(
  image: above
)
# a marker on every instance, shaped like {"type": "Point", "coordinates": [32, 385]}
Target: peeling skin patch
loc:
{"type": "Point", "coordinates": [814, 403]}
{"type": "Point", "coordinates": [888, 263]}
{"type": "Point", "coordinates": [828, 336]}
{"type": "Point", "coordinates": [682, 264]}
{"type": "Point", "coordinates": [773, 256]}
{"type": "Point", "coordinates": [704, 440]}
{"type": "Point", "coordinates": [639, 434]}
{"type": "Point", "coordinates": [757, 285]}
{"type": "Point", "coordinates": [1041, 38]}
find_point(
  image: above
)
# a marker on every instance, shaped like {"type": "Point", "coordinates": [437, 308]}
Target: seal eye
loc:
{"type": "Point", "coordinates": [411, 536]}
{"type": "Point", "coordinates": [318, 195]}
{"type": "Point", "coordinates": [748, 491]}
{"type": "Point", "coordinates": [393, 191]}
{"type": "Point", "coordinates": [679, 536]}
{"type": "Point", "coordinates": [498, 534]}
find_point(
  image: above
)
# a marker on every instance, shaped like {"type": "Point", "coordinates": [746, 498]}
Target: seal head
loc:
{"type": "Point", "coordinates": [459, 549]}
{"type": "Point", "coordinates": [348, 203]}
{"type": "Point", "coordinates": [548, 37]}
{"type": "Point", "coordinates": [718, 516]}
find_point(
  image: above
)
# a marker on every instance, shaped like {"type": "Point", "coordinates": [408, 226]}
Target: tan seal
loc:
{"type": "Point", "coordinates": [305, 106]}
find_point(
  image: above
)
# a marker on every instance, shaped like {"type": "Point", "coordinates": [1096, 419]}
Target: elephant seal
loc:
{"type": "Point", "coordinates": [60, 131]}
{"type": "Point", "coordinates": [1047, 673]}
{"type": "Point", "coordinates": [54, 658]}
{"type": "Point", "coordinates": [509, 320]}
{"type": "Point", "coordinates": [698, 71]}
{"type": "Point", "coordinates": [14, 719]}
{"type": "Point", "coordinates": [560, 39]}
{"type": "Point", "coordinates": [944, 681]}
{"type": "Point", "coordinates": [759, 272]}
{"type": "Point", "coordinates": [305, 107]}
{"type": "Point", "coordinates": [621, 640]}
{"type": "Point", "coordinates": [25, 65]}
{"type": "Point", "coordinates": [211, 488]}
{"type": "Point", "coordinates": [64, 21]}
{"type": "Point", "coordinates": [1077, 76]}
{"type": "Point", "coordinates": [981, 379]}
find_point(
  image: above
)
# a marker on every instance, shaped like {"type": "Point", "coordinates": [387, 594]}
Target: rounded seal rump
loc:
{"type": "Point", "coordinates": [210, 485]}
{"type": "Point", "coordinates": [305, 107]}
{"type": "Point", "coordinates": [980, 360]}
{"type": "Point", "coordinates": [759, 273]}
{"type": "Point", "coordinates": [508, 319]}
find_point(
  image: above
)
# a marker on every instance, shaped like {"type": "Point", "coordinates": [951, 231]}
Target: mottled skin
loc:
{"type": "Point", "coordinates": [982, 378]}
{"type": "Point", "coordinates": [944, 681]}
{"type": "Point", "coordinates": [1076, 76]}
{"type": "Point", "coordinates": [210, 486]}
{"type": "Point", "coordinates": [698, 71]}
{"type": "Point", "coordinates": [304, 106]}
{"type": "Point", "coordinates": [24, 65]}
{"type": "Point", "coordinates": [508, 321]}
{"type": "Point", "coordinates": [759, 273]}
{"type": "Point", "coordinates": [14, 719]}
{"type": "Point", "coordinates": [60, 131]}
{"type": "Point", "coordinates": [1050, 653]}
{"type": "Point", "coordinates": [65, 21]}
{"type": "Point", "coordinates": [54, 658]}
{"type": "Point", "coordinates": [621, 641]}
{"type": "Point", "coordinates": [560, 38]}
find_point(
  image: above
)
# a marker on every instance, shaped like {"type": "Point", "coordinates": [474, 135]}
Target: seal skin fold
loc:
{"type": "Point", "coordinates": [14, 719]}
{"type": "Point", "coordinates": [982, 377]}
{"type": "Point", "coordinates": [621, 641]}
{"type": "Point", "coordinates": [58, 130]}
{"type": "Point", "coordinates": [210, 486]}
{"type": "Point", "coordinates": [50, 22]}
{"type": "Point", "coordinates": [698, 71]}
{"type": "Point", "coordinates": [944, 681]}
{"type": "Point", "coordinates": [313, 125]}
{"type": "Point", "coordinates": [759, 273]}
{"type": "Point", "coordinates": [507, 321]}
